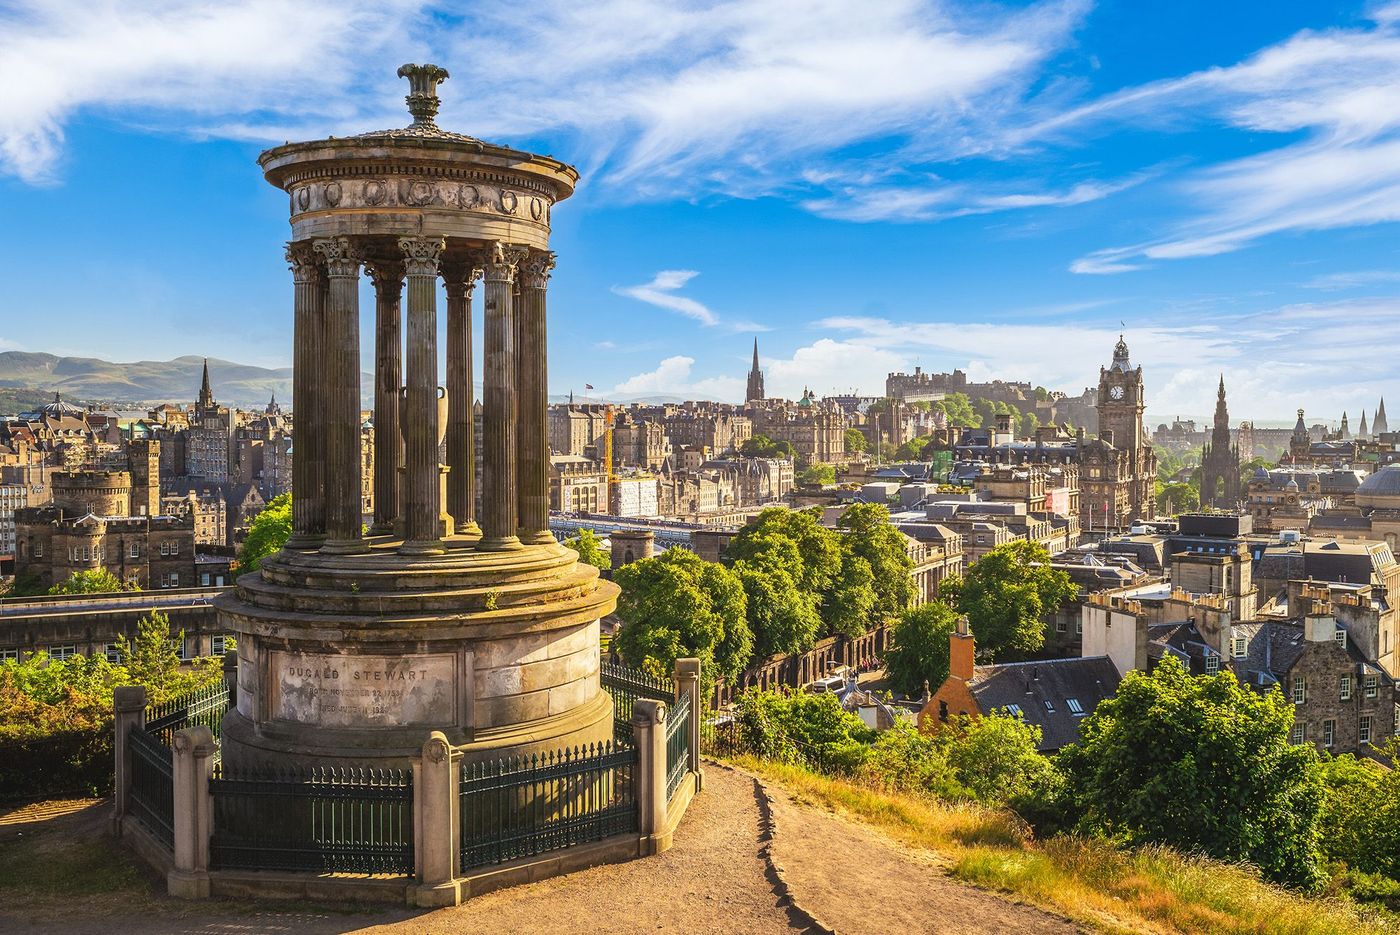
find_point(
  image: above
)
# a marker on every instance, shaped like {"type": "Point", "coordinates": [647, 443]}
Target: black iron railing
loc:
{"type": "Point", "coordinates": [206, 706]}
{"type": "Point", "coordinates": [677, 745]}
{"type": "Point", "coordinates": [152, 795]}
{"type": "Point", "coordinates": [720, 736]}
{"type": "Point", "coordinates": [323, 818]}
{"type": "Point", "coordinates": [522, 806]}
{"type": "Point", "coordinates": [626, 686]}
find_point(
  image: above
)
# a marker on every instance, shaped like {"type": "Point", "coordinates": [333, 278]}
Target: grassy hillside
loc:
{"type": "Point", "coordinates": [146, 381]}
{"type": "Point", "coordinates": [1090, 881]}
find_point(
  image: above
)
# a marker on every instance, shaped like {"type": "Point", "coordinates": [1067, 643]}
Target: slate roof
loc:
{"type": "Point", "coordinates": [1028, 686]}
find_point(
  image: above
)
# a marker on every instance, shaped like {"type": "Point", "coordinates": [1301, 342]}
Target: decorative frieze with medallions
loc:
{"type": "Point", "coordinates": [391, 192]}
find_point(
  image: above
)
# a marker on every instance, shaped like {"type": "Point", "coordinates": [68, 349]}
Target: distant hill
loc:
{"type": "Point", "coordinates": [90, 379]}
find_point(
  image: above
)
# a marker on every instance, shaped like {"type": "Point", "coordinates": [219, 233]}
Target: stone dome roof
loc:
{"type": "Point", "coordinates": [1380, 489]}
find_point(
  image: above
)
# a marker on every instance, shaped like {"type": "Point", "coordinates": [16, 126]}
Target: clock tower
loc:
{"type": "Point", "coordinates": [1118, 468]}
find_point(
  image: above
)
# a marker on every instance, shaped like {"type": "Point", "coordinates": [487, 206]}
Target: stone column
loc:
{"type": "Point", "coordinates": [498, 501]}
{"type": "Point", "coordinates": [388, 377]}
{"type": "Point", "coordinates": [687, 679]}
{"type": "Point", "coordinates": [649, 737]}
{"type": "Point", "coordinates": [193, 812]}
{"type": "Point", "coordinates": [436, 826]}
{"type": "Point", "coordinates": [422, 499]}
{"type": "Point", "coordinates": [342, 396]}
{"type": "Point", "coordinates": [308, 466]}
{"type": "Point", "coordinates": [532, 375]}
{"type": "Point", "coordinates": [460, 280]}
{"type": "Point", "coordinates": [231, 677]}
{"type": "Point", "coordinates": [129, 708]}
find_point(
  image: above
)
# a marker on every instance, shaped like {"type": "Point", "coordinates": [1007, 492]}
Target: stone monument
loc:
{"type": "Point", "coordinates": [353, 645]}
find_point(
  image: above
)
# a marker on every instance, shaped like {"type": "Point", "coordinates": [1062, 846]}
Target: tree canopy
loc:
{"type": "Point", "coordinates": [268, 532]}
{"type": "Point", "coordinates": [817, 474]}
{"type": "Point", "coordinates": [870, 535]}
{"type": "Point", "coordinates": [761, 446]}
{"type": "Point", "coordinates": [855, 441]}
{"type": "Point", "coordinates": [92, 581]}
{"type": "Point", "coordinates": [919, 650]}
{"type": "Point", "coordinates": [1006, 595]}
{"type": "Point", "coordinates": [590, 549]}
{"type": "Point", "coordinates": [678, 605]}
{"type": "Point", "coordinates": [1200, 764]}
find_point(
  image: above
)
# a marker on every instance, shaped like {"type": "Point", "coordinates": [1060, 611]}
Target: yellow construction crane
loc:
{"type": "Point", "coordinates": [608, 445]}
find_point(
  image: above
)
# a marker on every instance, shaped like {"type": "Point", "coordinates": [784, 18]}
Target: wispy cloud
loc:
{"type": "Point", "coordinates": [1331, 282]}
{"type": "Point", "coordinates": [662, 292]}
{"type": "Point", "coordinates": [672, 377]}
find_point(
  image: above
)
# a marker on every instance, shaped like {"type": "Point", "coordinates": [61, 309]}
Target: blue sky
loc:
{"type": "Point", "coordinates": [865, 187]}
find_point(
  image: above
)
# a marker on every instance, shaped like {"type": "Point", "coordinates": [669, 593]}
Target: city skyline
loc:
{"type": "Point", "coordinates": [992, 188]}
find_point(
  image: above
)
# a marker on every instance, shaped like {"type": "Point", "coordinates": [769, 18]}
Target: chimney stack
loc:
{"type": "Point", "coordinates": [961, 652]}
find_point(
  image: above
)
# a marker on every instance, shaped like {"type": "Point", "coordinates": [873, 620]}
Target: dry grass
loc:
{"type": "Point", "coordinates": [1090, 881]}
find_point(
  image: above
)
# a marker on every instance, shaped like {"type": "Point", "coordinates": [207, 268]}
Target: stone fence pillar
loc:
{"type": "Point", "coordinates": [231, 677]}
{"type": "Point", "coordinates": [437, 772]}
{"type": "Point", "coordinates": [193, 813]}
{"type": "Point", "coordinates": [129, 708]}
{"type": "Point", "coordinates": [649, 736]}
{"type": "Point", "coordinates": [687, 678]}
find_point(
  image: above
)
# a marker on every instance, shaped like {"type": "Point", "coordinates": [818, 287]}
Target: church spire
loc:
{"type": "Point", "coordinates": [1379, 423]}
{"type": "Point", "coordinates": [755, 384]}
{"type": "Point", "coordinates": [1361, 431]}
{"type": "Point", "coordinates": [206, 395]}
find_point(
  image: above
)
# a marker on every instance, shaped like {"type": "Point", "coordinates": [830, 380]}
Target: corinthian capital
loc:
{"type": "Point", "coordinates": [459, 276]}
{"type": "Point", "coordinates": [385, 272]}
{"type": "Point", "coordinates": [537, 268]}
{"type": "Point", "coordinates": [421, 254]}
{"type": "Point", "coordinates": [302, 261]}
{"type": "Point", "coordinates": [339, 254]}
{"type": "Point", "coordinates": [502, 260]}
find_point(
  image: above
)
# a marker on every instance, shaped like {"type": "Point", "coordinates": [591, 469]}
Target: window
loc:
{"type": "Point", "coordinates": [1363, 729]}
{"type": "Point", "coordinates": [1300, 689]}
{"type": "Point", "coordinates": [1346, 688]}
{"type": "Point", "coordinates": [135, 551]}
{"type": "Point", "coordinates": [1074, 706]}
{"type": "Point", "coordinates": [1014, 710]}
{"type": "Point", "coordinates": [1061, 625]}
{"type": "Point", "coordinates": [175, 547]}
{"type": "Point", "coordinates": [1329, 733]}
{"type": "Point", "coordinates": [178, 645]}
{"type": "Point", "coordinates": [174, 579]}
{"type": "Point", "coordinates": [1397, 708]}
{"type": "Point", "coordinates": [216, 645]}
{"type": "Point", "coordinates": [1212, 664]}
{"type": "Point", "coordinates": [12, 655]}
{"type": "Point", "coordinates": [1239, 645]}
{"type": "Point", "coordinates": [165, 579]}
{"type": "Point", "coordinates": [1371, 683]}
{"type": "Point", "coordinates": [1299, 734]}
{"type": "Point", "coordinates": [110, 651]}
{"type": "Point", "coordinates": [66, 651]}
{"type": "Point", "coordinates": [1049, 706]}
{"type": "Point", "coordinates": [1339, 636]}
{"type": "Point", "coordinates": [1079, 626]}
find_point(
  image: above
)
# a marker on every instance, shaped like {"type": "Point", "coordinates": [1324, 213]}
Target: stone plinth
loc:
{"type": "Point", "coordinates": [352, 658]}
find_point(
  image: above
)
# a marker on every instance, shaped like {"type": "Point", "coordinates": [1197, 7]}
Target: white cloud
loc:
{"type": "Point", "coordinates": [661, 292]}
{"type": "Point", "coordinates": [1351, 280]}
{"type": "Point", "coordinates": [672, 377]}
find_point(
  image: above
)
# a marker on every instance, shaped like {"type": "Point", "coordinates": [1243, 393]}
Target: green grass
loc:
{"type": "Point", "coordinates": [1090, 881]}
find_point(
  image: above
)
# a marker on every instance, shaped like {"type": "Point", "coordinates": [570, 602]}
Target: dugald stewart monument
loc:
{"type": "Point", "coordinates": [352, 643]}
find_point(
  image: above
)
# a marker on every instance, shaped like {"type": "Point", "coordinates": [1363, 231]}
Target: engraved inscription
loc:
{"type": "Point", "coordinates": [340, 690]}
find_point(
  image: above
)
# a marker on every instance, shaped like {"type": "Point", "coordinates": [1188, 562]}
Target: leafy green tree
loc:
{"type": "Point", "coordinates": [849, 606]}
{"type": "Point", "coordinates": [761, 446]}
{"type": "Point", "coordinates": [1360, 819]}
{"type": "Point", "coordinates": [1029, 423]}
{"type": "Point", "coordinates": [92, 581]}
{"type": "Point", "coordinates": [912, 450]}
{"type": "Point", "coordinates": [817, 561]}
{"type": "Point", "coordinates": [919, 647]}
{"type": "Point", "coordinates": [855, 441]}
{"type": "Point", "coordinates": [590, 549]}
{"type": "Point", "coordinates": [1006, 595]}
{"type": "Point", "coordinates": [996, 760]}
{"type": "Point", "coordinates": [1200, 764]}
{"type": "Point", "coordinates": [817, 474]}
{"type": "Point", "coordinates": [958, 408]}
{"type": "Point", "coordinates": [1177, 498]}
{"type": "Point", "coordinates": [269, 531]}
{"type": "Point", "coordinates": [782, 616]}
{"type": "Point", "coordinates": [803, 728]}
{"type": "Point", "coordinates": [870, 535]}
{"type": "Point", "coordinates": [150, 659]}
{"type": "Point", "coordinates": [678, 605]}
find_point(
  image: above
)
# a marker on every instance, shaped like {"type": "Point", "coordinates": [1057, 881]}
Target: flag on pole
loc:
{"type": "Point", "coordinates": [588, 386]}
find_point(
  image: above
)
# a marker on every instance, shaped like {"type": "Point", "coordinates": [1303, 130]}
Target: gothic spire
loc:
{"type": "Point", "coordinates": [1379, 423]}
{"type": "Point", "coordinates": [206, 395]}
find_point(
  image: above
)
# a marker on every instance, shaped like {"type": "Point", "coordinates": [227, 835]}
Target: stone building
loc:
{"type": "Point", "coordinates": [1220, 461]}
{"type": "Point", "coordinates": [1118, 469]}
{"type": "Point", "coordinates": [207, 511]}
{"type": "Point", "coordinates": [754, 388]}
{"type": "Point", "coordinates": [577, 485]}
{"type": "Point", "coordinates": [816, 430]}
{"type": "Point", "coordinates": [209, 443]}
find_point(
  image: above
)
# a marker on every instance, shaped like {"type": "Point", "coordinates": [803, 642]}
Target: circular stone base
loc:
{"type": "Point", "coordinates": [356, 658]}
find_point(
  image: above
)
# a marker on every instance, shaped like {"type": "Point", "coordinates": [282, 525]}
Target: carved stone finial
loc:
{"type": "Point", "coordinates": [422, 97]}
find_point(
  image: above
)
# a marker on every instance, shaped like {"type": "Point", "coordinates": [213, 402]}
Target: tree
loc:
{"type": "Point", "coordinates": [782, 616]}
{"type": "Point", "coordinates": [761, 446]}
{"type": "Point", "coordinates": [817, 475]}
{"type": "Point", "coordinates": [912, 450]}
{"type": "Point", "coordinates": [855, 441]}
{"type": "Point", "coordinates": [92, 581]}
{"type": "Point", "coordinates": [919, 650]}
{"type": "Point", "coordinates": [1177, 498]}
{"type": "Point", "coordinates": [590, 549]}
{"type": "Point", "coordinates": [1360, 818]}
{"type": "Point", "coordinates": [814, 558]}
{"type": "Point", "coordinates": [679, 605]}
{"type": "Point", "coordinates": [870, 535]}
{"type": "Point", "coordinates": [996, 760]}
{"type": "Point", "coordinates": [151, 659]}
{"type": "Point", "coordinates": [849, 606]}
{"type": "Point", "coordinates": [269, 531]}
{"type": "Point", "coordinates": [1200, 764]}
{"type": "Point", "coordinates": [958, 408]}
{"type": "Point", "coordinates": [1029, 423]}
{"type": "Point", "coordinates": [1006, 595]}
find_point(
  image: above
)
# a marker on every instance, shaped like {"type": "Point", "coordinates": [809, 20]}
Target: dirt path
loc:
{"type": "Point", "coordinates": [859, 882]}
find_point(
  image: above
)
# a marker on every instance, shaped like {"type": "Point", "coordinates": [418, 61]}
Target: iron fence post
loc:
{"type": "Point", "coordinates": [649, 737]}
{"type": "Point", "coordinates": [192, 812]}
{"type": "Point", "coordinates": [687, 678]}
{"type": "Point", "coordinates": [437, 824]}
{"type": "Point", "coordinates": [129, 710]}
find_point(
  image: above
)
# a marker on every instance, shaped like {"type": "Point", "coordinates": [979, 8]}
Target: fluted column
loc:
{"type": "Point", "coordinates": [342, 395]}
{"type": "Point", "coordinates": [388, 377]}
{"type": "Point", "coordinates": [498, 501]}
{"type": "Point", "coordinates": [532, 376]}
{"type": "Point", "coordinates": [308, 456]}
{"type": "Point", "coordinates": [460, 281]}
{"type": "Point", "coordinates": [422, 504]}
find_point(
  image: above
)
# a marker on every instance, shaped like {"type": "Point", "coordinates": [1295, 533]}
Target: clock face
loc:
{"type": "Point", "coordinates": [1116, 392]}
